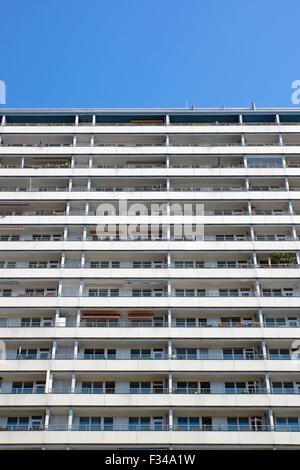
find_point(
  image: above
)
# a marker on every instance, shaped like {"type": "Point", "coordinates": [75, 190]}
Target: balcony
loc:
{"type": "Point", "coordinates": [209, 356]}
{"type": "Point", "coordinates": [160, 428]}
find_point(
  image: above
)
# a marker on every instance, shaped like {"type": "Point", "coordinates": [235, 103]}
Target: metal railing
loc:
{"type": "Point", "coordinates": [136, 323]}
{"type": "Point", "coordinates": [147, 214]}
{"type": "Point", "coordinates": [145, 391]}
{"type": "Point", "coordinates": [157, 144]}
{"type": "Point", "coordinates": [210, 238]}
{"type": "Point", "coordinates": [246, 356]}
{"type": "Point", "coordinates": [153, 427]}
{"type": "Point", "coordinates": [146, 124]}
{"type": "Point", "coordinates": [144, 293]}
{"type": "Point", "coordinates": [146, 165]}
{"type": "Point", "coordinates": [149, 391]}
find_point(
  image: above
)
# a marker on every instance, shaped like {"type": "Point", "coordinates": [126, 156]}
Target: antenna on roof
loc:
{"type": "Point", "coordinates": [193, 106]}
{"type": "Point", "coordinates": [253, 105]}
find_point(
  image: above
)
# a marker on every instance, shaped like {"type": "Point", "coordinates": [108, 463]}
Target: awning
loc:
{"type": "Point", "coordinates": [136, 314]}
{"type": "Point", "coordinates": [54, 159]}
{"type": "Point", "coordinates": [100, 314]}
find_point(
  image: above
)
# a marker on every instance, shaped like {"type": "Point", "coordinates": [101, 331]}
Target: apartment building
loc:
{"type": "Point", "coordinates": [121, 330]}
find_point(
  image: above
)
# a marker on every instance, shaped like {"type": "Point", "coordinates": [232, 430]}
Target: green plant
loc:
{"type": "Point", "coordinates": [283, 258]}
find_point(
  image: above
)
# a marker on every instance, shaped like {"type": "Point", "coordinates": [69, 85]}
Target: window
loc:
{"type": "Point", "coordinates": [103, 292]}
{"type": "Point", "coordinates": [94, 264]}
{"type": "Point", "coordinates": [158, 292]}
{"type": "Point", "coordinates": [98, 387]}
{"type": "Point", "coordinates": [287, 424]}
{"type": "Point", "coordinates": [92, 387]}
{"type": "Point", "coordinates": [44, 353]}
{"type": "Point", "coordinates": [228, 292]}
{"type": "Point", "coordinates": [275, 322]}
{"type": "Point", "coordinates": [40, 386]}
{"type": "Point", "coordinates": [104, 264]}
{"type": "Point", "coordinates": [200, 292]}
{"type": "Point", "coordinates": [89, 424]}
{"type": "Point", "coordinates": [187, 387]}
{"type": "Point", "coordinates": [279, 354]}
{"type": "Point", "coordinates": [39, 237]}
{"type": "Point", "coordinates": [36, 422]}
{"type": "Point", "coordinates": [27, 354]}
{"type": "Point", "coordinates": [283, 387]}
{"type": "Point", "coordinates": [233, 353]}
{"type": "Point", "coordinates": [111, 354]}
{"type": "Point", "coordinates": [231, 321]}
{"type": "Point", "coordinates": [139, 423]}
{"type": "Point", "coordinates": [6, 292]}
{"type": "Point", "coordinates": [109, 387]}
{"type": "Point", "coordinates": [235, 387]}
{"type": "Point", "coordinates": [108, 424]}
{"type": "Point", "coordinates": [203, 353]}
{"type": "Point", "coordinates": [179, 292]}
{"type": "Point", "coordinates": [199, 264]}
{"type": "Point", "coordinates": [186, 353]}
{"type": "Point", "coordinates": [179, 264]}
{"type": "Point", "coordinates": [190, 322]}
{"type": "Point", "coordinates": [141, 292]}
{"type": "Point", "coordinates": [188, 424]}
{"type": "Point", "coordinates": [140, 353]}
{"type": "Point", "coordinates": [28, 322]}
{"type": "Point", "coordinates": [264, 162]}
{"type": "Point", "coordinates": [189, 293]}
{"type": "Point", "coordinates": [18, 423]}
{"type": "Point", "coordinates": [238, 424]}
{"type": "Point", "coordinates": [11, 264]}
{"type": "Point", "coordinates": [94, 354]}
{"type": "Point", "coordinates": [22, 387]}
{"type": "Point", "coordinates": [34, 292]}
{"type": "Point", "coordinates": [140, 387]}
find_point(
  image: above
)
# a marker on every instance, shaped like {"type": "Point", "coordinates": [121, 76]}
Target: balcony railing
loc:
{"type": "Point", "coordinates": [146, 165]}
{"type": "Point", "coordinates": [76, 293]}
{"type": "Point", "coordinates": [153, 427]}
{"type": "Point", "coordinates": [71, 323]}
{"type": "Point", "coordinates": [246, 356]}
{"type": "Point", "coordinates": [208, 238]}
{"type": "Point", "coordinates": [150, 391]}
{"type": "Point", "coordinates": [148, 214]}
{"type": "Point", "coordinates": [151, 144]}
{"type": "Point", "coordinates": [146, 124]}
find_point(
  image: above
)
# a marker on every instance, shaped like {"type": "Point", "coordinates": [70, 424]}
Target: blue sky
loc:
{"type": "Point", "coordinates": [149, 53]}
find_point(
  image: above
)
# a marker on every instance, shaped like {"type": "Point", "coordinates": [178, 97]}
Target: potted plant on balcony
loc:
{"type": "Point", "coordinates": [283, 259]}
